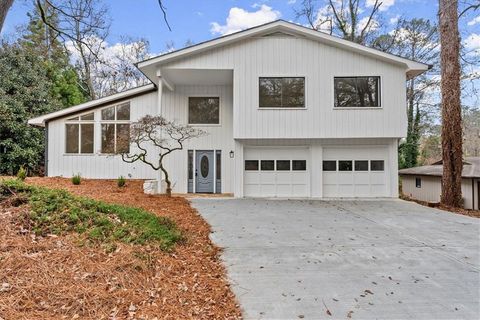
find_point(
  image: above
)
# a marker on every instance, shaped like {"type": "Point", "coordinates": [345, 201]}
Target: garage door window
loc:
{"type": "Point", "coordinates": [299, 165]}
{"type": "Point", "coordinates": [377, 165]}
{"type": "Point", "coordinates": [251, 165]}
{"type": "Point", "coordinates": [283, 165]}
{"type": "Point", "coordinates": [329, 165]}
{"type": "Point", "coordinates": [345, 165]}
{"type": "Point", "coordinates": [267, 165]}
{"type": "Point", "coordinates": [361, 165]}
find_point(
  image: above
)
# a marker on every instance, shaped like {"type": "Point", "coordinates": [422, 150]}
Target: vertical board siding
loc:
{"type": "Point", "coordinates": [218, 137]}
{"type": "Point", "coordinates": [319, 64]}
{"type": "Point", "coordinates": [96, 165]}
{"type": "Point", "coordinates": [431, 189]}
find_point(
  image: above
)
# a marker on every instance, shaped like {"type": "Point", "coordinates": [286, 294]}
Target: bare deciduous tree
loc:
{"type": "Point", "coordinates": [451, 108]}
{"type": "Point", "coordinates": [342, 18]}
{"type": "Point", "coordinates": [5, 5]}
{"type": "Point", "coordinates": [164, 136]}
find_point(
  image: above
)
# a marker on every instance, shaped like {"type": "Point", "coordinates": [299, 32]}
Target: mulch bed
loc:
{"type": "Point", "coordinates": [62, 278]}
{"type": "Point", "coordinates": [465, 212]}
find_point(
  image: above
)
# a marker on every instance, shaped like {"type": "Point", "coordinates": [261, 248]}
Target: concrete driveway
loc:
{"type": "Point", "coordinates": [378, 259]}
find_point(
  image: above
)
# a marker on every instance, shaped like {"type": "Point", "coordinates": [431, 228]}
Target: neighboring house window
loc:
{"type": "Point", "coordinates": [204, 110]}
{"type": "Point", "coordinates": [80, 134]}
{"type": "Point", "coordinates": [357, 92]}
{"type": "Point", "coordinates": [116, 129]}
{"type": "Point", "coordinates": [278, 92]}
{"type": "Point", "coordinates": [418, 182]}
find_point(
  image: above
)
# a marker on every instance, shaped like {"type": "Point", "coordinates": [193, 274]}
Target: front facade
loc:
{"type": "Point", "coordinates": [289, 112]}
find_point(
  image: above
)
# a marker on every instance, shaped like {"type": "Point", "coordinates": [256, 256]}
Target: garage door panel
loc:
{"type": "Point", "coordinates": [277, 183]}
{"type": "Point", "coordinates": [356, 183]}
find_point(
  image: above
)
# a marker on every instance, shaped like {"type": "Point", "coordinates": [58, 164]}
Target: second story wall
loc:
{"type": "Point", "coordinates": [274, 56]}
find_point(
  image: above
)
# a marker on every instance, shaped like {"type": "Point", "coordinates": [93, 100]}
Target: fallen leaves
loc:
{"type": "Point", "coordinates": [61, 277]}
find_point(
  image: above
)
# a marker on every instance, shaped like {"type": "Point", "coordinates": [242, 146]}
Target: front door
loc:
{"type": "Point", "coordinates": [204, 172]}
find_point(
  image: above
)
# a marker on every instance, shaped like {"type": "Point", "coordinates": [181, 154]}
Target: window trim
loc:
{"type": "Point", "coordinates": [305, 91]}
{"type": "Point", "coordinates": [79, 122]}
{"type": "Point", "coordinates": [380, 94]}
{"type": "Point", "coordinates": [220, 102]}
{"type": "Point", "coordinates": [114, 122]}
{"type": "Point", "coordinates": [418, 182]}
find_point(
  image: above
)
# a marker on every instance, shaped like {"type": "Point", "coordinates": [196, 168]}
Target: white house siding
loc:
{"type": "Point", "coordinates": [431, 189]}
{"type": "Point", "coordinates": [219, 137]}
{"type": "Point", "coordinates": [316, 149]}
{"type": "Point", "coordinates": [96, 165]}
{"type": "Point", "coordinates": [318, 63]}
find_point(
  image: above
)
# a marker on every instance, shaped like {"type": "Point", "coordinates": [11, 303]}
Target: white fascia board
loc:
{"type": "Point", "coordinates": [280, 25]}
{"type": "Point", "coordinates": [40, 121]}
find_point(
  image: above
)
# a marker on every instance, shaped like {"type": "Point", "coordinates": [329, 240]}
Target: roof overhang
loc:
{"type": "Point", "coordinates": [151, 66]}
{"type": "Point", "coordinates": [40, 121]}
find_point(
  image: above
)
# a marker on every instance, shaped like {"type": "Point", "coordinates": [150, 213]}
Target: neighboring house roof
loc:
{"type": "Point", "coordinates": [413, 68]}
{"type": "Point", "coordinates": [40, 121]}
{"type": "Point", "coordinates": [471, 169]}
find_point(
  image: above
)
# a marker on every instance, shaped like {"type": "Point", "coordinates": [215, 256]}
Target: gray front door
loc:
{"type": "Point", "coordinates": [204, 172]}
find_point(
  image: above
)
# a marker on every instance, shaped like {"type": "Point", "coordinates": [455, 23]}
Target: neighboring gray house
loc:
{"type": "Point", "coordinates": [289, 112]}
{"type": "Point", "coordinates": [424, 183]}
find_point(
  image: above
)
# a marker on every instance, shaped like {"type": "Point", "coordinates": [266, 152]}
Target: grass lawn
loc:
{"type": "Point", "coordinates": [97, 251]}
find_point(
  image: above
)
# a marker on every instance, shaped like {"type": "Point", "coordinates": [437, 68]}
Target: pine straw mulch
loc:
{"type": "Point", "coordinates": [59, 278]}
{"type": "Point", "coordinates": [465, 212]}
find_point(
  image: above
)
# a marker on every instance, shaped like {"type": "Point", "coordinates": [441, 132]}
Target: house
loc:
{"type": "Point", "coordinates": [425, 182]}
{"type": "Point", "coordinates": [289, 111]}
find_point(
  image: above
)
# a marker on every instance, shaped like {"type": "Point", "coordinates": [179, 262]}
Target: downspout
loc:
{"type": "Point", "coordinates": [159, 113]}
{"type": "Point", "coordinates": [46, 148]}
{"type": "Point", "coordinates": [473, 193]}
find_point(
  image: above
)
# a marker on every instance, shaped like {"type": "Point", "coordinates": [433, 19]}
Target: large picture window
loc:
{"type": "Point", "coordinates": [116, 129]}
{"type": "Point", "coordinates": [357, 92]}
{"type": "Point", "coordinates": [79, 134]}
{"type": "Point", "coordinates": [282, 92]}
{"type": "Point", "coordinates": [204, 110]}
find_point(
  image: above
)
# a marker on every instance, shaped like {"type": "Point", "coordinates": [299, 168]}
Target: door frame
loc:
{"type": "Point", "coordinates": [214, 151]}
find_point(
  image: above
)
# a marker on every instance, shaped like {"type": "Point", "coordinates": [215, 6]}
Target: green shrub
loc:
{"type": "Point", "coordinates": [22, 174]}
{"type": "Point", "coordinates": [121, 181]}
{"type": "Point", "coordinates": [76, 179]}
{"type": "Point", "coordinates": [55, 211]}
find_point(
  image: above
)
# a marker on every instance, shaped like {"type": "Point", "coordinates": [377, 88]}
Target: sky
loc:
{"type": "Point", "coordinates": [200, 20]}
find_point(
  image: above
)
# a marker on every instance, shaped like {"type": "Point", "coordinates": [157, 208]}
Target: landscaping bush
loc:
{"type": "Point", "coordinates": [76, 179]}
{"type": "Point", "coordinates": [22, 174]}
{"type": "Point", "coordinates": [57, 212]}
{"type": "Point", "coordinates": [121, 181]}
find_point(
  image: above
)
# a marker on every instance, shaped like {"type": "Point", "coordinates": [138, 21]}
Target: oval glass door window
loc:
{"type": "Point", "coordinates": [204, 166]}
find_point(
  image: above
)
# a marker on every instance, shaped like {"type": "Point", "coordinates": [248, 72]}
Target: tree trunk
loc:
{"type": "Point", "coordinates": [451, 108]}
{"type": "Point", "coordinates": [5, 5]}
{"type": "Point", "coordinates": [168, 192]}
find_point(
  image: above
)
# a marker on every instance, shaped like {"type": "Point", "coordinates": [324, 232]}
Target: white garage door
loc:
{"type": "Point", "coordinates": [360, 171]}
{"type": "Point", "coordinates": [276, 172]}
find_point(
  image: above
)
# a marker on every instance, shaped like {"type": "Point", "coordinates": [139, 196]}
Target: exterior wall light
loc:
{"type": "Point", "coordinates": [232, 154]}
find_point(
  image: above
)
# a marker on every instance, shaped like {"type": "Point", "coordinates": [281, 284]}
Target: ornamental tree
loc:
{"type": "Point", "coordinates": [153, 138]}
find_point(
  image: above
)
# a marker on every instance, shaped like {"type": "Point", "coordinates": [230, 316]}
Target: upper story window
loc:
{"type": "Point", "coordinates": [115, 124]}
{"type": "Point", "coordinates": [204, 110]}
{"type": "Point", "coordinates": [357, 92]}
{"type": "Point", "coordinates": [80, 134]}
{"type": "Point", "coordinates": [282, 92]}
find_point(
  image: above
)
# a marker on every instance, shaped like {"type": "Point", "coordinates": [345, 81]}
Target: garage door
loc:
{"type": "Point", "coordinates": [355, 171]}
{"type": "Point", "coordinates": [276, 172]}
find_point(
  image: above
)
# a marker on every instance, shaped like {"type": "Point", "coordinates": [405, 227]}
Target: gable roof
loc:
{"type": "Point", "coordinates": [41, 120]}
{"type": "Point", "coordinates": [413, 68]}
{"type": "Point", "coordinates": [471, 169]}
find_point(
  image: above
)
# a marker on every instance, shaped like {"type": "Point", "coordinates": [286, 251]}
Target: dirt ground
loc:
{"type": "Point", "coordinates": [61, 278]}
{"type": "Point", "coordinates": [465, 212]}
